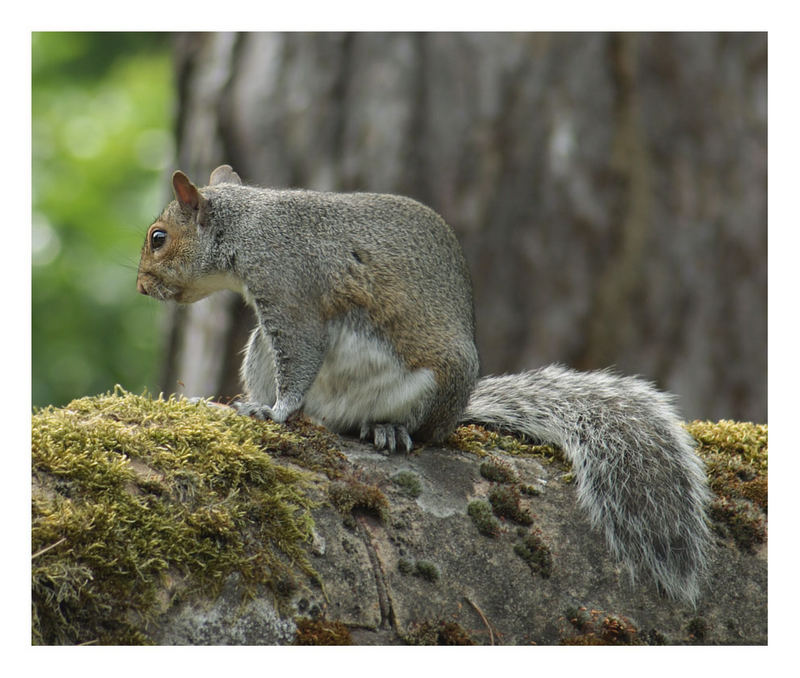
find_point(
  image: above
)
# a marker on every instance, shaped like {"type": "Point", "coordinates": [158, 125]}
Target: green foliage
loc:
{"type": "Point", "coordinates": [101, 143]}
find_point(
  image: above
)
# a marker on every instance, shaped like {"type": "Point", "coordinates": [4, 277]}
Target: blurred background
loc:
{"type": "Point", "coordinates": [610, 192]}
{"type": "Point", "coordinates": [102, 143]}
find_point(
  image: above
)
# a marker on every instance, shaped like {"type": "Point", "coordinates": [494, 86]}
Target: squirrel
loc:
{"type": "Point", "coordinates": [365, 322]}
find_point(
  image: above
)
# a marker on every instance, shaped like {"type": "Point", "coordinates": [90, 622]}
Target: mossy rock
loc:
{"type": "Point", "coordinates": [736, 458]}
{"type": "Point", "coordinates": [136, 500]}
{"type": "Point", "coordinates": [159, 520]}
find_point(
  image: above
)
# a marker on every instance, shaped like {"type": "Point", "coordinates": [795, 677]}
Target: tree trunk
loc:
{"type": "Point", "coordinates": [609, 190]}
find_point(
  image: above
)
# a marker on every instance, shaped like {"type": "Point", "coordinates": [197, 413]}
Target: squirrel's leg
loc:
{"type": "Point", "coordinates": [279, 368]}
{"type": "Point", "coordinates": [456, 375]}
{"type": "Point", "coordinates": [258, 376]}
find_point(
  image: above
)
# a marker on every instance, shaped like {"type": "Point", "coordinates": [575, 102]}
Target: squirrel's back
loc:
{"type": "Point", "coordinates": [387, 253]}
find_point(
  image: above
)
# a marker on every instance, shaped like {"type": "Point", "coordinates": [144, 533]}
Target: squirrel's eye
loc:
{"type": "Point", "coordinates": [157, 238]}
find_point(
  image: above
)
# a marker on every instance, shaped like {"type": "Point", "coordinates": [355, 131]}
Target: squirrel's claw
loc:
{"type": "Point", "coordinates": [252, 409]}
{"type": "Point", "coordinates": [389, 437]}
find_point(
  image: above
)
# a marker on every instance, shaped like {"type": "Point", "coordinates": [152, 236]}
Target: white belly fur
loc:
{"type": "Point", "coordinates": [362, 381]}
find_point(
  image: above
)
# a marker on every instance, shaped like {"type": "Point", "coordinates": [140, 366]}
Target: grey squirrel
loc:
{"type": "Point", "coordinates": [365, 323]}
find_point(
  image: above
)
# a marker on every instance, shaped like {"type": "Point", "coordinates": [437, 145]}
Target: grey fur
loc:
{"type": "Point", "coordinates": [365, 322]}
{"type": "Point", "coordinates": [635, 467]}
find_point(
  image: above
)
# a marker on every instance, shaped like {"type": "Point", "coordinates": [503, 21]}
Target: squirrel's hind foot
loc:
{"type": "Point", "coordinates": [387, 437]}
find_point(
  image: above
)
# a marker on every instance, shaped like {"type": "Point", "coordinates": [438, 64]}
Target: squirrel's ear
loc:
{"type": "Point", "coordinates": [185, 191]}
{"type": "Point", "coordinates": [224, 174]}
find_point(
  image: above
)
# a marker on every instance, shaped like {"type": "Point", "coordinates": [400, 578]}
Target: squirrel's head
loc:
{"type": "Point", "coordinates": [172, 265]}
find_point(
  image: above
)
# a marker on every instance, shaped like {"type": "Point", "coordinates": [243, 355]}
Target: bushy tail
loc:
{"type": "Point", "coordinates": [635, 467]}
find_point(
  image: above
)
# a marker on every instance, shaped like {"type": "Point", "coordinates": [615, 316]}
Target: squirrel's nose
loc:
{"type": "Point", "coordinates": [140, 287]}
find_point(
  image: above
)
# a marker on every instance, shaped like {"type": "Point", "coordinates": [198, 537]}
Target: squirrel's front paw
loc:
{"type": "Point", "coordinates": [387, 436]}
{"type": "Point", "coordinates": [248, 408]}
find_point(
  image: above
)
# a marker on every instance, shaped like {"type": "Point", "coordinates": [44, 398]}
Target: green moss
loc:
{"type": "Point", "coordinates": [736, 459]}
{"type": "Point", "coordinates": [481, 441]}
{"type": "Point", "coordinates": [534, 551]}
{"type": "Point", "coordinates": [143, 499]}
{"type": "Point", "coordinates": [747, 440]}
{"type": "Point", "coordinates": [438, 632]}
{"type": "Point", "coordinates": [405, 566]}
{"type": "Point", "coordinates": [318, 451]}
{"type": "Point", "coordinates": [426, 570]}
{"type": "Point", "coordinates": [422, 569]}
{"type": "Point", "coordinates": [321, 632]}
{"type": "Point", "coordinates": [481, 514]}
{"type": "Point", "coordinates": [505, 504]}
{"type": "Point", "coordinates": [408, 483]}
{"type": "Point", "coordinates": [498, 471]}
{"type": "Point", "coordinates": [353, 495]}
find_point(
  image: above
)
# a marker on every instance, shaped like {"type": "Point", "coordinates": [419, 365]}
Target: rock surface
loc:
{"type": "Point", "coordinates": [400, 560]}
{"type": "Point", "coordinates": [481, 583]}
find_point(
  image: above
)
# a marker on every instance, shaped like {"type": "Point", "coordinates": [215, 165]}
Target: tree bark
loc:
{"type": "Point", "coordinates": [609, 190]}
